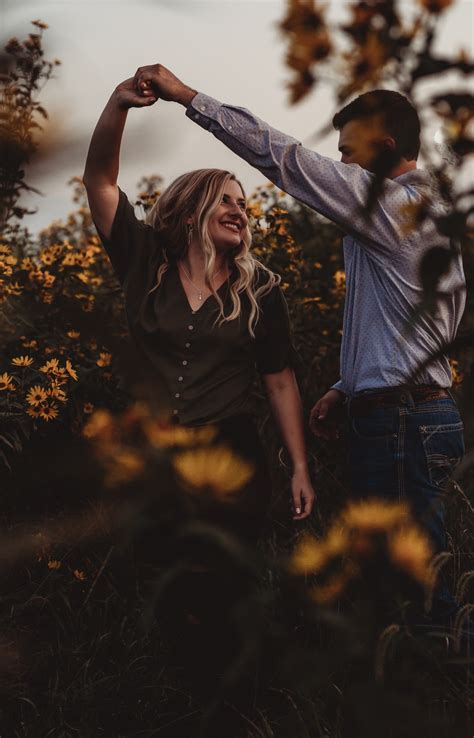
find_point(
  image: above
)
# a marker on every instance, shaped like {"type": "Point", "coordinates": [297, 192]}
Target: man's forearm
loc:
{"type": "Point", "coordinates": [336, 190]}
{"type": "Point", "coordinates": [103, 158]}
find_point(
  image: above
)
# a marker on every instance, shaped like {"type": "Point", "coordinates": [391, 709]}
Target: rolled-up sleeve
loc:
{"type": "Point", "coordinates": [274, 348]}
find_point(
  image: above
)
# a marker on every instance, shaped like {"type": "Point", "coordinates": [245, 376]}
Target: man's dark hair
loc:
{"type": "Point", "coordinates": [400, 118]}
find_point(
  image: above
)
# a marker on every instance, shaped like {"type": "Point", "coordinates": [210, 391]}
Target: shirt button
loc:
{"type": "Point", "coordinates": [229, 128]}
{"type": "Point", "coordinates": [187, 344]}
{"type": "Point", "coordinates": [196, 116]}
{"type": "Point", "coordinates": [203, 107]}
{"type": "Point", "coordinates": [184, 362]}
{"type": "Point", "coordinates": [177, 395]}
{"type": "Point", "coordinates": [180, 379]}
{"type": "Point", "coordinates": [190, 327]}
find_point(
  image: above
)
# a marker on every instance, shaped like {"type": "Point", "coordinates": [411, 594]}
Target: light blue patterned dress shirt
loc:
{"type": "Point", "coordinates": [381, 254]}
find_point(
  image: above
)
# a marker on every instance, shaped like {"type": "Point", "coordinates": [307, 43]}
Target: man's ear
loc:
{"type": "Point", "coordinates": [389, 143]}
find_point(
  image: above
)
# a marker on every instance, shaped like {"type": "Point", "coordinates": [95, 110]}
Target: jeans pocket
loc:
{"type": "Point", "coordinates": [444, 449]}
{"type": "Point", "coordinates": [374, 427]}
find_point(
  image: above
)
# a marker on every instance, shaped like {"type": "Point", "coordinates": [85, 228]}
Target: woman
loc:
{"type": "Point", "coordinates": [201, 310]}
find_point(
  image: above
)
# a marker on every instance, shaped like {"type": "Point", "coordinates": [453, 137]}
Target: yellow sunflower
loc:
{"type": "Point", "coordinates": [104, 359]}
{"type": "Point", "coordinates": [72, 372]}
{"type": "Point", "coordinates": [36, 395]}
{"type": "Point", "coordinates": [33, 413]}
{"type": "Point", "coordinates": [49, 412]}
{"type": "Point", "coordinates": [51, 366]}
{"type": "Point", "coordinates": [22, 361]}
{"type": "Point", "coordinates": [6, 382]}
{"type": "Point", "coordinates": [69, 260]}
{"type": "Point", "coordinates": [14, 289]}
{"type": "Point", "coordinates": [57, 393]}
{"type": "Point", "coordinates": [73, 334]}
{"type": "Point", "coordinates": [47, 258]}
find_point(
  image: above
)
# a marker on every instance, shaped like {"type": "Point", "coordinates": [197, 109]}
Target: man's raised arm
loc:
{"type": "Point", "coordinates": [336, 190]}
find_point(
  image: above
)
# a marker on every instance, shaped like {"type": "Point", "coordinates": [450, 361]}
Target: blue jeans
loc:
{"type": "Point", "coordinates": [408, 453]}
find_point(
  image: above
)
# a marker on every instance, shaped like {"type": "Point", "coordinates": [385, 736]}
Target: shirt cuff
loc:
{"type": "Point", "coordinates": [338, 386]}
{"type": "Point", "coordinates": [203, 109]}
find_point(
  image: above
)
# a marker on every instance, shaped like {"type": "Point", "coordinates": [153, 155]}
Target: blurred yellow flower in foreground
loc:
{"type": "Point", "coordinates": [123, 467]}
{"type": "Point", "coordinates": [6, 382]}
{"type": "Point", "coordinates": [163, 435]}
{"type": "Point", "coordinates": [54, 564]}
{"type": "Point", "coordinates": [80, 576]}
{"type": "Point", "coordinates": [375, 515]}
{"type": "Point", "coordinates": [217, 468]}
{"type": "Point", "coordinates": [311, 555]}
{"type": "Point", "coordinates": [411, 551]}
{"type": "Point", "coordinates": [101, 426]}
{"type": "Point", "coordinates": [355, 539]}
{"type": "Point", "coordinates": [22, 361]}
{"type": "Point", "coordinates": [324, 594]}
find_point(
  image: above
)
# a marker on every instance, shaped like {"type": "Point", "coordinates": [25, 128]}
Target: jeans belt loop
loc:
{"type": "Point", "coordinates": [410, 400]}
{"type": "Point", "coordinates": [348, 406]}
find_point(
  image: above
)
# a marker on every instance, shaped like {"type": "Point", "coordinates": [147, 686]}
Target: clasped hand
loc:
{"type": "Point", "coordinates": [156, 81]}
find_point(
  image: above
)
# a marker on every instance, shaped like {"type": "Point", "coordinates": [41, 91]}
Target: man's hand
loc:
{"type": "Point", "coordinates": [159, 81]}
{"type": "Point", "coordinates": [127, 96]}
{"type": "Point", "coordinates": [323, 419]}
{"type": "Point", "coordinates": [303, 495]}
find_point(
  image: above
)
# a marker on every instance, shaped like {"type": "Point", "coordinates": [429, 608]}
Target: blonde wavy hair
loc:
{"type": "Point", "coordinates": [197, 194]}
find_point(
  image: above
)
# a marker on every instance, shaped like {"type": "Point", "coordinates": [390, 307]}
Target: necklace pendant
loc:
{"type": "Point", "coordinates": [200, 296]}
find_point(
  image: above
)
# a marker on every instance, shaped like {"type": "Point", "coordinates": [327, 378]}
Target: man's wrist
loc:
{"type": "Point", "coordinates": [186, 96]}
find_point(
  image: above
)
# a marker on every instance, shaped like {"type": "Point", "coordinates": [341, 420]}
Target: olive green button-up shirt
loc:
{"type": "Point", "coordinates": [204, 371]}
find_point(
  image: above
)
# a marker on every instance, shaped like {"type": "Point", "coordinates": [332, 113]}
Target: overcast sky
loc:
{"type": "Point", "coordinates": [230, 49]}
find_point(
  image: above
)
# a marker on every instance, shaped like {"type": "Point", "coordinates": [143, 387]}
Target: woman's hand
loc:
{"type": "Point", "coordinates": [127, 96]}
{"type": "Point", "coordinates": [303, 495]}
{"type": "Point", "coordinates": [159, 81]}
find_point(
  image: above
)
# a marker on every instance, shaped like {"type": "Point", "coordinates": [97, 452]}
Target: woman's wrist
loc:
{"type": "Point", "coordinates": [300, 465]}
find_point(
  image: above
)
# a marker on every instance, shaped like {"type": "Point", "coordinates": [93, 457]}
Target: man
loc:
{"type": "Point", "coordinates": [405, 433]}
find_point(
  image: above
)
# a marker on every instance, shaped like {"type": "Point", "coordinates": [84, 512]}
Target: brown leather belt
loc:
{"type": "Point", "coordinates": [364, 403]}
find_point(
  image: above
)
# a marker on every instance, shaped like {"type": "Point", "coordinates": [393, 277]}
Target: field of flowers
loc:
{"type": "Point", "coordinates": [123, 613]}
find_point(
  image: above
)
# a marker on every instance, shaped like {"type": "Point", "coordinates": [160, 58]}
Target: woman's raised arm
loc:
{"type": "Point", "coordinates": [102, 164]}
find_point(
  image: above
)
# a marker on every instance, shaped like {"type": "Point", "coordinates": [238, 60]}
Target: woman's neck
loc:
{"type": "Point", "coordinates": [194, 263]}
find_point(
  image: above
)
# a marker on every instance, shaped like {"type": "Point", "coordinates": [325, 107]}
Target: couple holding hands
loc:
{"type": "Point", "coordinates": [205, 315]}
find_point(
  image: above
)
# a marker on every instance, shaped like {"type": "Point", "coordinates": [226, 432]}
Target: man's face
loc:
{"type": "Point", "coordinates": [360, 141]}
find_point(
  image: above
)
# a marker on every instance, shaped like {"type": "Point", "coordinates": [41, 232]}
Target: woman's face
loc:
{"type": "Point", "coordinates": [229, 219]}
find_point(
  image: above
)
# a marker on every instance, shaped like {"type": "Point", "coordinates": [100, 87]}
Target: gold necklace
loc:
{"type": "Point", "coordinates": [198, 290]}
